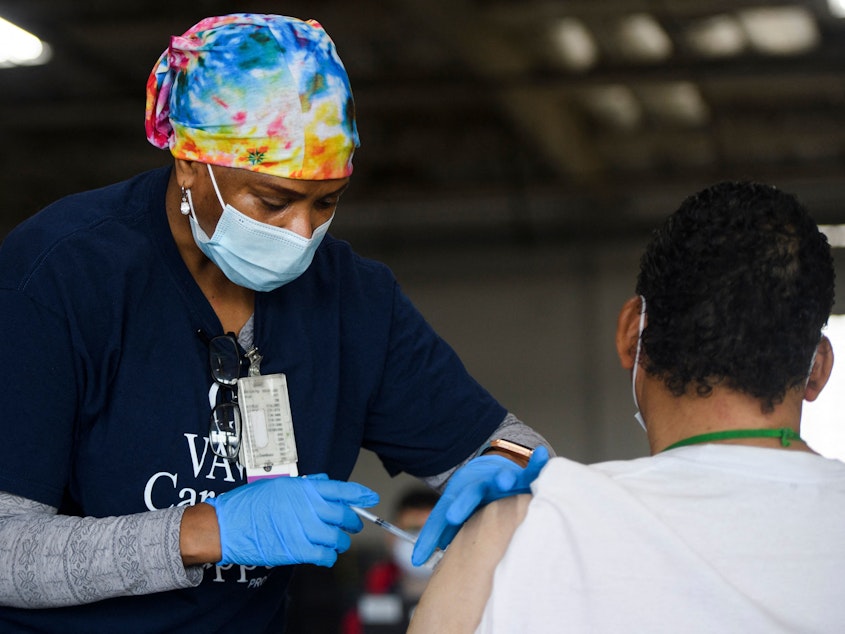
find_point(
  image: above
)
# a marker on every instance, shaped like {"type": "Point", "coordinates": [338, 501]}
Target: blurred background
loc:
{"type": "Point", "coordinates": [515, 155]}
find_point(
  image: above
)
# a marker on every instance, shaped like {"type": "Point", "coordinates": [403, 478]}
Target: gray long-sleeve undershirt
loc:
{"type": "Point", "coordinates": [511, 428]}
{"type": "Point", "coordinates": [57, 560]}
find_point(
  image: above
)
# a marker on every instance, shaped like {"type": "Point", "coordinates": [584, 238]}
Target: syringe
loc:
{"type": "Point", "coordinates": [398, 532]}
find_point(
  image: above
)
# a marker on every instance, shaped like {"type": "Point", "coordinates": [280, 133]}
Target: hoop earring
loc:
{"type": "Point", "coordinates": [185, 206]}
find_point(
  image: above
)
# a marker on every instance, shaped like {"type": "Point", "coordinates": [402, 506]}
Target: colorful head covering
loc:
{"type": "Point", "coordinates": [267, 93]}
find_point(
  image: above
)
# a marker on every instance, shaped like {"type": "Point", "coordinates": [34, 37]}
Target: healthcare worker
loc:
{"type": "Point", "coordinates": [192, 363]}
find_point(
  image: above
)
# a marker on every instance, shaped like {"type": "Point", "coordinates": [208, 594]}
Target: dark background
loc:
{"type": "Point", "coordinates": [473, 127]}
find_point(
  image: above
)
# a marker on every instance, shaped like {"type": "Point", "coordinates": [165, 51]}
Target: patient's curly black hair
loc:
{"type": "Point", "coordinates": [738, 285]}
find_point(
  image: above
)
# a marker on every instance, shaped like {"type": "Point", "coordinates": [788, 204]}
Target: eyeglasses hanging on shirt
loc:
{"type": "Point", "coordinates": [254, 427]}
{"type": "Point", "coordinates": [224, 433]}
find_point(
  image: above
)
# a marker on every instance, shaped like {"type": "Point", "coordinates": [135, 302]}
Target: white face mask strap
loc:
{"type": "Point", "coordinates": [812, 363]}
{"type": "Point", "coordinates": [638, 415]}
{"type": "Point", "coordinates": [214, 183]}
{"type": "Point", "coordinates": [191, 205]}
{"type": "Point", "coordinates": [639, 347]}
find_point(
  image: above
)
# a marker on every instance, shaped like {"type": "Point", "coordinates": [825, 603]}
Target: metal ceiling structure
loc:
{"type": "Point", "coordinates": [480, 120]}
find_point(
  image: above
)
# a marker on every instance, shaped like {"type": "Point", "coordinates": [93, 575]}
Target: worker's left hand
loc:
{"type": "Point", "coordinates": [479, 482]}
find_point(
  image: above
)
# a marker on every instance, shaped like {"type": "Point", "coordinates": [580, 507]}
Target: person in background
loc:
{"type": "Point", "coordinates": [733, 524]}
{"type": "Point", "coordinates": [194, 363]}
{"type": "Point", "coordinates": [393, 587]}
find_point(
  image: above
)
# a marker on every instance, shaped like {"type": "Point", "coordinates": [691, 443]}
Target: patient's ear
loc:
{"type": "Point", "coordinates": [820, 372]}
{"type": "Point", "coordinates": [627, 331]}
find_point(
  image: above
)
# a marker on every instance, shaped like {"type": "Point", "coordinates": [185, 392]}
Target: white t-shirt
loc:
{"type": "Point", "coordinates": [707, 538]}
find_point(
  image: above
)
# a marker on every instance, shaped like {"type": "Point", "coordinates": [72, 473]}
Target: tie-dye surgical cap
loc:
{"type": "Point", "coordinates": [266, 93]}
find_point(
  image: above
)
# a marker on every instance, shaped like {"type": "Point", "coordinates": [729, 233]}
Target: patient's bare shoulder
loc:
{"type": "Point", "coordinates": [457, 592]}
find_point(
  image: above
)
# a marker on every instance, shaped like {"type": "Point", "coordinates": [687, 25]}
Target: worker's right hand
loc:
{"type": "Point", "coordinates": [283, 521]}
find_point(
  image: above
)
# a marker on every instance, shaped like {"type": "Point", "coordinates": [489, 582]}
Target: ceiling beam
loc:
{"type": "Point", "coordinates": [489, 55]}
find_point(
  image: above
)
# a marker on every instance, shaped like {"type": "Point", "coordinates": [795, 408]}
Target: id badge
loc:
{"type": "Point", "coordinates": [268, 449]}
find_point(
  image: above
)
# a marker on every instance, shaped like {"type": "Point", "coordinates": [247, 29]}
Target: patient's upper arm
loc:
{"type": "Point", "coordinates": [457, 592]}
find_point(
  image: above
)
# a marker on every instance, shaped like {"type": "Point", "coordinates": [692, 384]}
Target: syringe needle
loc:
{"type": "Point", "coordinates": [395, 530]}
{"type": "Point", "coordinates": [390, 528]}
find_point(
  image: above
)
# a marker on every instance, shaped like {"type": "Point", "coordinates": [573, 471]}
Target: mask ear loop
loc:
{"type": "Point", "coordinates": [812, 363]}
{"type": "Point", "coordinates": [638, 416]}
{"type": "Point", "coordinates": [214, 183]}
{"type": "Point", "coordinates": [191, 212]}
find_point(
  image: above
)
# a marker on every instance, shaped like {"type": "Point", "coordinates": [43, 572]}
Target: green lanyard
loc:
{"type": "Point", "coordinates": [784, 433]}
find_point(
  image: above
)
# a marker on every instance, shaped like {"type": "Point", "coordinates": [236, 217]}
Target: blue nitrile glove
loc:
{"type": "Point", "coordinates": [282, 521]}
{"type": "Point", "coordinates": [478, 482]}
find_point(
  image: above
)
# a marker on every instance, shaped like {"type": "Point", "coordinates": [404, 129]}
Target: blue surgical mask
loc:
{"type": "Point", "coordinates": [254, 254]}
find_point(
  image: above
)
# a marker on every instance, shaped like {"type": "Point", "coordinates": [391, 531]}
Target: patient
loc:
{"type": "Point", "coordinates": [733, 524]}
